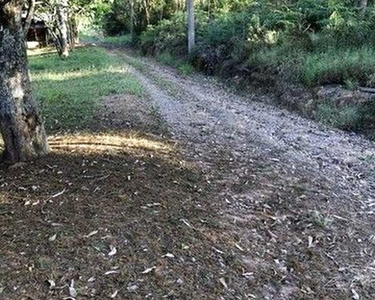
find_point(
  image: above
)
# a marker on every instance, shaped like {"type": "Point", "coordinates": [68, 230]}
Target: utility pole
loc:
{"type": "Point", "coordinates": [191, 25]}
{"type": "Point", "coordinates": [132, 33]}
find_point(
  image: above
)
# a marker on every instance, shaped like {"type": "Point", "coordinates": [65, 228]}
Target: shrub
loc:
{"type": "Point", "coordinates": [348, 118]}
{"type": "Point", "coordinates": [166, 58]}
{"type": "Point", "coordinates": [185, 68]}
{"type": "Point", "coordinates": [339, 66]}
{"type": "Point", "coordinates": [168, 35]}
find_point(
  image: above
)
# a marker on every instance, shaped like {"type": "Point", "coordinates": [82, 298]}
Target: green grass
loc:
{"type": "Point", "coordinates": [166, 59]}
{"type": "Point", "coordinates": [185, 68]}
{"type": "Point", "coordinates": [69, 90]}
{"type": "Point", "coordinates": [97, 36]}
{"type": "Point", "coordinates": [121, 40]}
{"type": "Point", "coordinates": [182, 66]}
{"type": "Point", "coordinates": [339, 66]}
{"type": "Point", "coordinates": [349, 117]}
{"type": "Point", "coordinates": [335, 65]}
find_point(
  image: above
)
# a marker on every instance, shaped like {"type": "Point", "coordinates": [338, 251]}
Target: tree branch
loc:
{"type": "Point", "coordinates": [29, 17]}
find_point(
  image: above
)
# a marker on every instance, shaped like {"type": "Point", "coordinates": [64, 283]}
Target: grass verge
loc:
{"type": "Point", "coordinates": [182, 66]}
{"type": "Point", "coordinates": [69, 90]}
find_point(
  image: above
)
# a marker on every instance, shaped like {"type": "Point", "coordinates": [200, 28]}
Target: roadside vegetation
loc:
{"type": "Point", "coordinates": [306, 42]}
{"type": "Point", "coordinates": [146, 183]}
{"type": "Point", "coordinates": [314, 42]}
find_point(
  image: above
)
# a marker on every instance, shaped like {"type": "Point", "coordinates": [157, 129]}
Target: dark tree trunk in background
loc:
{"type": "Point", "coordinates": [20, 123]}
{"type": "Point", "coordinates": [62, 14]}
{"type": "Point", "coordinates": [132, 17]}
{"type": "Point", "coordinates": [73, 32]}
{"type": "Point", "coordinates": [29, 17]}
{"type": "Point", "coordinates": [191, 25]}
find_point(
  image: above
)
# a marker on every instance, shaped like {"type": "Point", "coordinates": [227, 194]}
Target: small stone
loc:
{"type": "Point", "coordinates": [132, 288]}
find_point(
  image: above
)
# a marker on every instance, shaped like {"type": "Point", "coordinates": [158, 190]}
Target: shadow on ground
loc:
{"type": "Point", "coordinates": [122, 212]}
{"type": "Point", "coordinates": [61, 216]}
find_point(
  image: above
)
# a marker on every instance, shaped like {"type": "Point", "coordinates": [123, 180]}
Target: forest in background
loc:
{"type": "Point", "coordinates": [288, 48]}
{"type": "Point", "coordinates": [273, 35]}
{"type": "Point", "coordinates": [307, 42]}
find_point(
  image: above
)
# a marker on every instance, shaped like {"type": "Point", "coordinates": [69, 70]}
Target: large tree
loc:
{"type": "Point", "coordinates": [21, 125]}
{"type": "Point", "coordinates": [29, 16]}
{"type": "Point", "coordinates": [55, 14]}
{"type": "Point", "coordinates": [62, 16]}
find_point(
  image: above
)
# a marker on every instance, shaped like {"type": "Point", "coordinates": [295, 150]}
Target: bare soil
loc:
{"type": "Point", "coordinates": [191, 193]}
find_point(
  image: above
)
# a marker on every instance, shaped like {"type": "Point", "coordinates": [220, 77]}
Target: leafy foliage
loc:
{"type": "Point", "coordinates": [313, 41]}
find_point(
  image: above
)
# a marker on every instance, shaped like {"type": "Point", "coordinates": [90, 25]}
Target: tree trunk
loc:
{"type": "Point", "coordinates": [363, 4]}
{"type": "Point", "coordinates": [191, 25]}
{"type": "Point", "coordinates": [132, 31]}
{"type": "Point", "coordinates": [20, 123]}
{"type": "Point", "coordinates": [62, 13]}
{"type": "Point", "coordinates": [73, 32]}
{"type": "Point", "coordinates": [55, 38]}
{"type": "Point", "coordinates": [29, 17]}
{"type": "Point", "coordinates": [147, 12]}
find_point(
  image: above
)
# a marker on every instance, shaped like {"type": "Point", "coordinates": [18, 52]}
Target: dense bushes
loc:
{"type": "Point", "coordinates": [168, 35]}
{"type": "Point", "coordinates": [311, 41]}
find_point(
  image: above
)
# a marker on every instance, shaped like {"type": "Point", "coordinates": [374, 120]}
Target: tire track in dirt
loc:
{"type": "Point", "coordinates": [297, 195]}
{"type": "Point", "coordinates": [254, 127]}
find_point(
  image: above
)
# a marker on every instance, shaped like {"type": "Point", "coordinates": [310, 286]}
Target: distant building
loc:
{"type": "Point", "coordinates": [38, 35]}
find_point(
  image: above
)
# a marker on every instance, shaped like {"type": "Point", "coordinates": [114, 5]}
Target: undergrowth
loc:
{"type": "Point", "coordinates": [305, 42]}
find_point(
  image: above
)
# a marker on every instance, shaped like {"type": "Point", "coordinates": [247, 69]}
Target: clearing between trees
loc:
{"type": "Point", "coordinates": [172, 187]}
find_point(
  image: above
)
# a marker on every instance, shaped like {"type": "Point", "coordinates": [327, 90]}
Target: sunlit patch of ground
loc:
{"type": "Point", "coordinates": [69, 91]}
{"type": "Point", "coordinates": [117, 213]}
{"type": "Point", "coordinates": [111, 142]}
{"type": "Point", "coordinates": [41, 51]}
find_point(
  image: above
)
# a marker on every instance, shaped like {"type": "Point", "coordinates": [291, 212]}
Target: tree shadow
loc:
{"type": "Point", "coordinates": [61, 215]}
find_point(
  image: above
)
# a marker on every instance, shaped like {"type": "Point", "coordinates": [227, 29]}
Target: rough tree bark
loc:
{"type": "Point", "coordinates": [62, 14]}
{"type": "Point", "coordinates": [29, 17]}
{"type": "Point", "coordinates": [191, 25]}
{"type": "Point", "coordinates": [20, 123]}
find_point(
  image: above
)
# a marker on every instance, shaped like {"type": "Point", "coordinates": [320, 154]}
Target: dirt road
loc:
{"type": "Point", "coordinates": [188, 191]}
{"type": "Point", "coordinates": [298, 196]}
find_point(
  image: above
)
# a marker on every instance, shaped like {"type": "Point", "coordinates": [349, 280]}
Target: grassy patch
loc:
{"type": "Point", "coordinates": [182, 66]}
{"type": "Point", "coordinates": [121, 40]}
{"type": "Point", "coordinates": [338, 66]}
{"type": "Point", "coordinates": [68, 91]}
{"type": "Point", "coordinates": [166, 58]}
{"type": "Point", "coordinates": [348, 66]}
{"type": "Point", "coordinates": [96, 37]}
{"type": "Point", "coordinates": [348, 118]}
{"type": "Point", "coordinates": [352, 117]}
{"type": "Point", "coordinates": [185, 68]}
